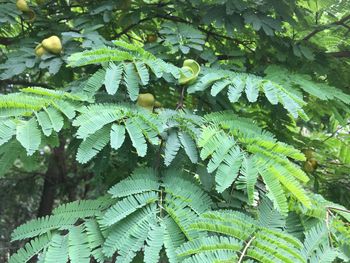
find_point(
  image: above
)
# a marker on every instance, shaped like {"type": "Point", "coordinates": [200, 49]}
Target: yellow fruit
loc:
{"type": "Point", "coordinates": [310, 165]}
{"type": "Point", "coordinates": [313, 163]}
{"type": "Point", "coordinates": [52, 44]}
{"type": "Point", "coordinates": [40, 50]}
{"type": "Point", "coordinates": [151, 38]}
{"type": "Point", "coordinates": [192, 69]}
{"type": "Point", "coordinates": [146, 100]}
{"type": "Point", "coordinates": [308, 153]}
{"type": "Point", "coordinates": [157, 104]}
{"type": "Point", "coordinates": [22, 5]}
{"type": "Point", "coordinates": [31, 15]}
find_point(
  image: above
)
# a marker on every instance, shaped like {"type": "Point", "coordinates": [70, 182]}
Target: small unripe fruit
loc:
{"type": "Point", "coordinates": [313, 163]}
{"type": "Point", "coordinates": [146, 100]}
{"type": "Point", "coordinates": [310, 165]}
{"type": "Point", "coordinates": [308, 153]}
{"type": "Point", "coordinates": [22, 5]}
{"type": "Point", "coordinates": [39, 50]}
{"type": "Point", "coordinates": [151, 38]}
{"type": "Point", "coordinates": [52, 44]}
{"type": "Point", "coordinates": [31, 15]}
{"type": "Point", "coordinates": [157, 104]}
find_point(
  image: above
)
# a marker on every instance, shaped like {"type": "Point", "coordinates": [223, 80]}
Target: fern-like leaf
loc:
{"type": "Point", "coordinates": [113, 78]}
{"type": "Point", "coordinates": [32, 248]}
{"type": "Point", "coordinates": [28, 135]}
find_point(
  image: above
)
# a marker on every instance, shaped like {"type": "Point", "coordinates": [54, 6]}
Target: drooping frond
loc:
{"type": "Point", "coordinates": [238, 83]}
{"type": "Point", "coordinates": [143, 212]}
{"type": "Point", "coordinates": [225, 156]}
{"type": "Point", "coordinates": [239, 236]}
{"type": "Point", "coordinates": [154, 244]}
{"type": "Point", "coordinates": [82, 208]}
{"type": "Point", "coordinates": [30, 249]}
{"type": "Point", "coordinates": [76, 243]}
{"type": "Point", "coordinates": [42, 225]}
{"type": "Point", "coordinates": [153, 209]}
{"type": "Point", "coordinates": [128, 64]}
{"type": "Point", "coordinates": [100, 124]}
{"type": "Point", "coordinates": [183, 37]}
{"type": "Point", "coordinates": [27, 101]}
{"type": "Point", "coordinates": [317, 247]}
{"type": "Point", "coordinates": [224, 142]}
{"type": "Point", "coordinates": [34, 111]}
{"type": "Point", "coordinates": [291, 80]}
{"type": "Point", "coordinates": [183, 129]}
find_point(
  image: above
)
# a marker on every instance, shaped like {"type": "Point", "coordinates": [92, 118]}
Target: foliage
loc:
{"type": "Point", "coordinates": [243, 155]}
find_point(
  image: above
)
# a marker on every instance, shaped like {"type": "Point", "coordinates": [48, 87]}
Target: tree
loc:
{"type": "Point", "coordinates": [175, 131]}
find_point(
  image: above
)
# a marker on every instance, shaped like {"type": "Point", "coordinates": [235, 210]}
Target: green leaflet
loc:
{"type": "Point", "coordinates": [57, 250]}
{"type": "Point", "coordinates": [154, 244]}
{"type": "Point", "coordinates": [28, 135]}
{"type": "Point", "coordinates": [55, 118]}
{"type": "Point", "coordinates": [45, 122]}
{"type": "Point", "coordinates": [7, 130]}
{"type": "Point", "coordinates": [189, 146]}
{"type": "Point", "coordinates": [137, 138]}
{"type": "Point", "coordinates": [117, 136]}
{"type": "Point", "coordinates": [113, 78]}
{"type": "Point", "coordinates": [78, 245]}
{"type": "Point", "coordinates": [93, 144]}
{"type": "Point", "coordinates": [131, 81]}
{"type": "Point", "coordinates": [171, 148]}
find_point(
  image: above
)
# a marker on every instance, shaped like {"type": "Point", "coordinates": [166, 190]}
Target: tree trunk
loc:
{"type": "Point", "coordinates": [54, 175]}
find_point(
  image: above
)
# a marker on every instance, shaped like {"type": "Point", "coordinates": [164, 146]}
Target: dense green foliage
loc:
{"type": "Point", "coordinates": [242, 156]}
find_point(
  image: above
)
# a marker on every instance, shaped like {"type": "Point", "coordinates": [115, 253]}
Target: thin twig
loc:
{"type": "Point", "coordinates": [324, 27]}
{"type": "Point", "coordinates": [180, 103]}
{"type": "Point", "coordinates": [338, 209]}
{"type": "Point", "coordinates": [334, 133]}
{"type": "Point", "coordinates": [128, 28]}
{"type": "Point", "coordinates": [157, 160]}
{"type": "Point", "coordinates": [245, 249]}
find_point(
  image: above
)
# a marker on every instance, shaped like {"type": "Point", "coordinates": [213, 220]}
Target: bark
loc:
{"type": "Point", "coordinates": [340, 54]}
{"type": "Point", "coordinates": [54, 175]}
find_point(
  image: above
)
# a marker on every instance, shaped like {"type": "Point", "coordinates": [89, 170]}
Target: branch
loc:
{"type": "Point", "coordinates": [24, 83]}
{"type": "Point", "coordinates": [340, 54]}
{"type": "Point", "coordinates": [319, 29]}
{"type": "Point", "coordinates": [6, 41]}
{"type": "Point", "coordinates": [208, 32]}
{"type": "Point", "coordinates": [128, 28]}
{"type": "Point", "coordinates": [180, 103]}
{"type": "Point", "coordinates": [182, 20]}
